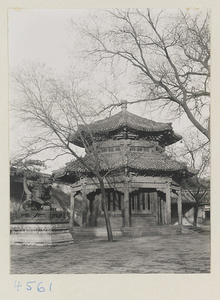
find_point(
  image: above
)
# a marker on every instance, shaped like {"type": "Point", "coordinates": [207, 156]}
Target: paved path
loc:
{"type": "Point", "coordinates": [186, 253]}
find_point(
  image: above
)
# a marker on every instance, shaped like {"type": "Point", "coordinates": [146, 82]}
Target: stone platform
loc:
{"type": "Point", "coordinates": [136, 231]}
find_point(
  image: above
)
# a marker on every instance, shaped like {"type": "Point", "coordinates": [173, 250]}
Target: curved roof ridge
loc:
{"type": "Point", "coordinates": [149, 120]}
{"type": "Point", "coordinates": [126, 118]}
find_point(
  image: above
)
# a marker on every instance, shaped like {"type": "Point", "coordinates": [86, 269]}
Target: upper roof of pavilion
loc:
{"type": "Point", "coordinates": [112, 126]}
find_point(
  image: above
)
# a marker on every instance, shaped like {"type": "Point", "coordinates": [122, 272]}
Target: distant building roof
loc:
{"type": "Point", "coordinates": [18, 174]}
{"type": "Point", "coordinates": [187, 197]}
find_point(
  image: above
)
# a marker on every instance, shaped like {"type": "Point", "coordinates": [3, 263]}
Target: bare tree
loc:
{"type": "Point", "coordinates": [196, 153]}
{"type": "Point", "coordinates": [199, 189]}
{"type": "Point", "coordinates": [53, 109]}
{"type": "Point", "coordinates": [167, 51]}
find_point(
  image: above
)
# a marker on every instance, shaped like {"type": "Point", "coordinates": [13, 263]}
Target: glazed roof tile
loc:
{"type": "Point", "coordinates": [125, 119]}
{"type": "Point", "coordinates": [116, 161]}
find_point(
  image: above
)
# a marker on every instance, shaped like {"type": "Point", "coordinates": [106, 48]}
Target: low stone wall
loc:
{"type": "Point", "coordinates": [40, 234]}
{"type": "Point", "coordinates": [115, 219]}
{"type": "Point", "coordinates": [137, 219]}
{"type": "Point", "coordinates": [151, 230]}
{"type": "Point", "coordinates": [142, 220]}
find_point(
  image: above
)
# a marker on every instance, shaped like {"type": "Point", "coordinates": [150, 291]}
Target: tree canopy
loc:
{"type": "Point", "coordinates": [166, 51]}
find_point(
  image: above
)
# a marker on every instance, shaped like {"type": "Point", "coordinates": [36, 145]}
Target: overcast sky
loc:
{"type": "Point", "coordinates": [41, 35]}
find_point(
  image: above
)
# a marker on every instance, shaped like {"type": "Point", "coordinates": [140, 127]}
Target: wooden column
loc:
{"type": "Point", "coordinates": [72, 202]}
{"type": "Point", "coordinates": [141, 202]}
{"type": "Point", "coordinates": [157, 208]}
{"type": "Point", "coordinates": [84, 206]}
{"type": "Point", "coordinates": [163, 211]}
{"type": "Point", "coordinates": [179, 207]}
{"type": "Point", "coordinates": [168, 205]}
{"type": "Point", "coordinates": [126, 217]}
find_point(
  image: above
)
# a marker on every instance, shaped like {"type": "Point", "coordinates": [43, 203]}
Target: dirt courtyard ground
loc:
{"type": "Point", "coordinates": [185, 253]}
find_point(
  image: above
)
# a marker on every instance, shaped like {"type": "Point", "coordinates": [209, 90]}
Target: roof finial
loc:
{"type": "Point", "coordinates": [124, 105]}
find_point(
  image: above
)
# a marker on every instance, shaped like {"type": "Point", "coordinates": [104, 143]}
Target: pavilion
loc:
{"type": "Point", "coordinates": [140, 178]}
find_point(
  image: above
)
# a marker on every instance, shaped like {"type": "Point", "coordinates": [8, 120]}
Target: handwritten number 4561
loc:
{"type": "Point", "coordinates": [30, 285]}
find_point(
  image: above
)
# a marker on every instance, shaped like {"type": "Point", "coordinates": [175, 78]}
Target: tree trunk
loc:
{"type": "Point", "coordinates": [195, 215]}
{"type": "Point", "coordinates": [26, 190]}
{"type": "Point", "coordinates": [107, 220]}
{"type": "Point", "coordinates": [179, 207]}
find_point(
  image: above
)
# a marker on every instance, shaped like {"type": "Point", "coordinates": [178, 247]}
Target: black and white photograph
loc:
{"type": "Point", "coordinates": [110, 141]}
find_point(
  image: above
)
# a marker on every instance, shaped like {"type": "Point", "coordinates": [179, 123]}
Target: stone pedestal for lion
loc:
{"type": "Point", "coordinates": [40, 228]}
